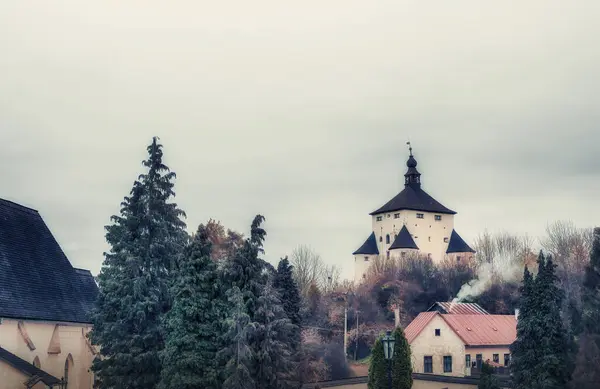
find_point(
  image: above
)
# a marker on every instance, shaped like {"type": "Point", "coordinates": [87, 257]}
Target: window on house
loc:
{"type": "Point", "coordinates": [468, 360]}
{"type": "Point", "coordinates": [445, 240]}
{"type": "Point", "coordinates": [366, 259]}
{"type": "Point", "coordinates": [379, 218]}
{"type": "Point", "coordinates": [496, 358]}
{"type": "Point", "coordinates": [437, 332]}
{"type": "Point", "coordinates": [447, 364]}
{"type": "Point", "coordinates": [479, 360]}
{"type": "Point", "coordinates": [438, 218]}
{"type": "Point", "coordinates": [506, 359]}
{"type": "Point", "coordinates": [428, 365]}
{"type": "Point", "coordinates": [396, 216]}
{"type": "Point", "coordinates": [387, 239]}
{"type": "Point", "coordinates": [420, 216]}
{"type": "Point", "coordinates": [68, 368]}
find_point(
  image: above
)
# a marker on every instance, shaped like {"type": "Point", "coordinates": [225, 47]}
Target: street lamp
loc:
{"type": "Point", "coordinates": [388, 351]}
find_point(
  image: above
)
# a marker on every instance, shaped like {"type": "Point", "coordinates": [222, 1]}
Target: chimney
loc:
{"type": "Point", "coordinates": [517, 314]}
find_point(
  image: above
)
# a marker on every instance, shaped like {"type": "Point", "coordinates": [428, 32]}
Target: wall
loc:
{"type": "Point", "coordinates": [72, 341]}
{"type": "Point", "coordinates": [361, 267]}
{"type": "Point", "coordinates": [427, 233]}
{"type": "Point", "coordinates": [448, 343]}
{"type": "Point", "coordinates": [487, 353]}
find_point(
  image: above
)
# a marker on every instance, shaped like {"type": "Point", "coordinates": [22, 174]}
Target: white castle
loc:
{"type": "Point", "coordinates": [412, 221]}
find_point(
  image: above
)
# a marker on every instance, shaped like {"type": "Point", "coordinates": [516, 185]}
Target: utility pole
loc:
{"type": "Point", "coordinates": [356, 343]}
{"type": "Point", "coordinates": [345, 329]}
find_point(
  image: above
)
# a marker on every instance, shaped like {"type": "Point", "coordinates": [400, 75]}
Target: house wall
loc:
{"type": "Point", "coordinates": [72, 342]}
{"type": "Point", "coordinates": [487, 353]}
{"type": "Point", "coordinates": [427, 233]}
{"type": "Point", "coordinates": [448, 343]}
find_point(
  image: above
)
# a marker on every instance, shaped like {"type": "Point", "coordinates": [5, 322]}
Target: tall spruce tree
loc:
{"type": "Point", "coordinates": [273, 354]}
{"type": "Point", "coordinates": [246, 270]}
{"type": "Point", "coordinates": [587, 372]}
{"type": "Point", "coordinates": [542, 353]}
{"type": "Point", "coordinates": [401, 363]}
{"type": "Point", "coordinates": [290, 297]}
{"type": "Point", "coordinates": [195, 321]}
{"type": "Point", "coordinates": [238, 353]}
{"type": "Point", "coordinates": [146, 240]}
{"type": "Point", "coordinates": [378, 368]}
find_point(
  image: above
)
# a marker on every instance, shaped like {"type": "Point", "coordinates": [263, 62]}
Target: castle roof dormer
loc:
{"type": "Point", "coordinates": [404, 240]}
{"type": "Point", "coordinates": [412, 196]}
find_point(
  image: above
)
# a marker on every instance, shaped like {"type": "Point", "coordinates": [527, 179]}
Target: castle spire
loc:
{"type": "Point", "coordinates": [412, 177]}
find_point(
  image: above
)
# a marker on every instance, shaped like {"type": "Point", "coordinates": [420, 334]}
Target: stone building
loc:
{"type": "Point", "coordinates": [44, 306]}
{"type": "Point", "coordinates": [411, 222]}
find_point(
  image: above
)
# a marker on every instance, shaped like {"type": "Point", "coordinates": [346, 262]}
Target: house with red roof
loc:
{"type": "Point", "coordinates": [453, 344]}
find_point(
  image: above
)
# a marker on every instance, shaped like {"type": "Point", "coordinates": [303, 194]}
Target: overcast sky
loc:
{"type": "Point", "coordinates": [300, 111]}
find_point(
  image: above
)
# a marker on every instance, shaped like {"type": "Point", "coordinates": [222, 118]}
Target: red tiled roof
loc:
{"type": "Point", "coordinates": [416, 326]}
{"type": "Point", "coordinates": [484, 330]}
{"type": "Point", "coordinates": [474, 330]}
{"type": "Point", "coordinates": [461, 308]}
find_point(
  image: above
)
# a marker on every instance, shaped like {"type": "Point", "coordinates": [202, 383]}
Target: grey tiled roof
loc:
{"type": "Point", "coordinates": [37, 280]}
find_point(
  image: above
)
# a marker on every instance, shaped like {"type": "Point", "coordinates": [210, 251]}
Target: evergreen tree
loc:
{"type": "Point", "coordinates": [146, 240]}
{"type": "Point", "coordinates": [587, 373]}
{"type": "Point", "coordinates": [288, 290]}
{"type": "Point", "coordinates": [238, 354]}
{"type": "Point", "coordinates": [245, 270]}
{"type": "Point", "coordinates": [401, 363]}
{"type": "Point", "coordinates": [523, 350]}
{"type": "Point", "coordinates": [194, 322]}
{"type": "Point", "coordinates": [487, 379]}
{"type": "Point", "coordinates": [272, 351]}
{"type": "Point", "coordinates": [378, 368]}
{"type": "Point", "coordinates": [542, 354]}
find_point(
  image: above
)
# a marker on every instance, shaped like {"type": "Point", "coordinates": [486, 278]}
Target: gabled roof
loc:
{"type": "Point", "coordinates": [37, 280]}
{"type": "Point", "coordinates": [458, 308]}
{"type": "Point", "coordinates": [474, 330]}
{"type": "Point", "coordinates": [27, 368]}
{"type": "Point", "coordinates": [369, 247]}
{"type": "Point", "coordinates": [414, 198]}
{"type": "Point", "coordinates": [457, 244]}
{"type": "Point", "coordinates": [404, 240]}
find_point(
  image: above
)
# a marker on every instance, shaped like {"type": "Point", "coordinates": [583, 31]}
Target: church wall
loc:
{"type": "Point", "coordinates": [71, 339]}
{"type": "Point", "coordinates": [429, 233]}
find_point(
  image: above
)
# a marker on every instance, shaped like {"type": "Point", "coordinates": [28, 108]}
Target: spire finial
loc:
{"type": "Point", "coordinates": [409, 148]}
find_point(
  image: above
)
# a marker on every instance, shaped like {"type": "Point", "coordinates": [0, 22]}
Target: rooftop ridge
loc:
{"type": "Point", "coordinates": [19, 207]}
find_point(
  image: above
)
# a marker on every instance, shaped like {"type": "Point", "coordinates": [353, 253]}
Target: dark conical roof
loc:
{"type": "Point", "coordinates": [414, 198]}
{"type": "Point", "coordinates": [458, 245]}
{"type": "Point", "coordinates": [369, 247]}
{"type": "Point", "coordinates": [404, 240]}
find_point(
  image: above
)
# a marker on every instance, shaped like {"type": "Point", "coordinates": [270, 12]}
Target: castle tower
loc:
{"type": "Point", "coordinates": [411, 222]}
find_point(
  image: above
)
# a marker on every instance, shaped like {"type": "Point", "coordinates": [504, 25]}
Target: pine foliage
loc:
{"type": "Point", "coordinates": [487, 379]}
{"type": "Point", "coordinates": [272, 351]}
{"type": "Point", "coordinates": [542, 355]}
{"type": "Point", "coordinates": [402, 362]}
{"type": "Point", "coordinates": [146, 241]}
{"type": "Point", "coordinates": [378, 368]}
{"type": "Point", "coordinates": [194, 322]}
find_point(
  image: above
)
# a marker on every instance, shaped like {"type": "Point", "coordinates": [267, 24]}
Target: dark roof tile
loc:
{"type": "Point", "coordinates": [414, 198]}
{"type": "Point", "coordinates": [37, 280]}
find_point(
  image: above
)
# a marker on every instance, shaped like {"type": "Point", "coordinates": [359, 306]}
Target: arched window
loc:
{"type": "Point", "coordinates": [36, 362]}
{"type": "Point", "coordinates": [387, 239]}
{"type": "Point", "coordinates": [68, 371]}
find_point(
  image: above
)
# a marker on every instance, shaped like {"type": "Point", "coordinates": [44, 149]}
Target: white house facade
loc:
{"type": "Point", "coordinates": [412, 221]}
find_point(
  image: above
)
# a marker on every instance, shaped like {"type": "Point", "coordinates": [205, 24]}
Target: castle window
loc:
{"type": "Point", "coordinates": [388, 255]}
{"type": "Point", "coordinates": [387, 239]}
{"type": "Point", "coordinates": [445, 240]}
{"type": "Point", "coordinates": [36, 362]}
{"type": "Point", "coordinates": [379, 218]}
{"type": "Point", "coordinates": [420, 216]}
{"type": "Point", "coordinates": [366, 259]}
{"type": "Point", "coordinates": [381, 238]}
{"type": "Point", "coordinates": [430, 238]}
{"type": "Point", "coordinates": [428, 255]}
{"type": "Point", "coordinates": [403, 254]}
{"type": "Point", "coordinates": [388, 215]}
{"type": "Point", "coordinates": [396, 216]}
{"type": "Point", "coordinates": [438, 218]}
{"type": "Point", "coordinates": [364, 276]}
{"type": "Point", "coordinates": [458, 258]}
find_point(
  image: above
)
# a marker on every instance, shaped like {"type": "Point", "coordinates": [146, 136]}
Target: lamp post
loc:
{"type": "Point", "coordinates": [388, 350]}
